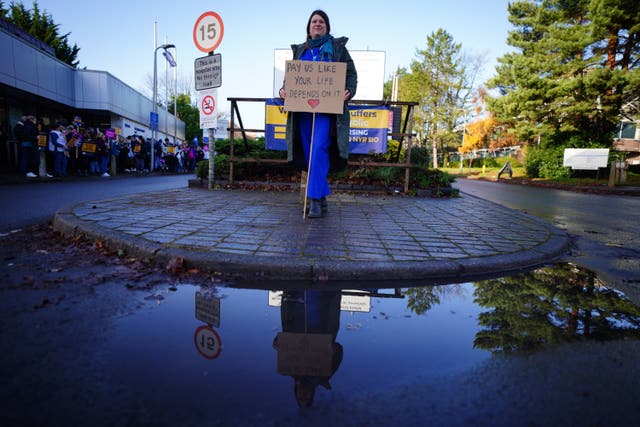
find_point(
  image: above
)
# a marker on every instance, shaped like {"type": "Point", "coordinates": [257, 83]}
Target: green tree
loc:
{"type": "Point", "coordinates": [441, 79]}
{"type": "Point", "coordinates": [189, 114]}
{"type": "Point", "coordinates": [573, 65]}
{"type": "Point", "coordinates": [40, 25]}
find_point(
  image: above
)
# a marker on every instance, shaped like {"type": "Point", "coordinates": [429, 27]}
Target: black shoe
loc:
{"type": "Point", "coordinates": [315, 211]}
{"type": "Point", "coordinates": [324, 206]}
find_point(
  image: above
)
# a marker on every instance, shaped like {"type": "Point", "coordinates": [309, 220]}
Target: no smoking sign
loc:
{"type": "Point", "coordinates": [207, 105]}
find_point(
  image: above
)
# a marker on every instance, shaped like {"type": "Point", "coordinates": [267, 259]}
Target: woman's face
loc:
{"type": "Point", "coordinates": [317, 27]}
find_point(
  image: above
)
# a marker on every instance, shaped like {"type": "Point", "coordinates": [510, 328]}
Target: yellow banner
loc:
{"type": "Point", "coordinates": [369, 118]}
{"type": "Point", "coordinates": [276, 115]}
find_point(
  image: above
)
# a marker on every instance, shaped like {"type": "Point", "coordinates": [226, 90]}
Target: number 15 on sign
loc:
{"type": "Point", "coordinates": [208, 31]}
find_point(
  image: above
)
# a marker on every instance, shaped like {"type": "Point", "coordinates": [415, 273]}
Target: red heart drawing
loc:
{"type": "Point", "coordinates": [313, 102]}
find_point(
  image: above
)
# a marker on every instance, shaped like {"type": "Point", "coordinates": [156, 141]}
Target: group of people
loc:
{"type": "Point", "coordinates": [70, 149]}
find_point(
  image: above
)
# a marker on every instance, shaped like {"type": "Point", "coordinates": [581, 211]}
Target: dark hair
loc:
{"type": "Point", "coordinates": [324, 16]}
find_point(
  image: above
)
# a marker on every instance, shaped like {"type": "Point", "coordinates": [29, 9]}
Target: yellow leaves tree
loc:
{"type": "Point", "coordinates": [479, 134]}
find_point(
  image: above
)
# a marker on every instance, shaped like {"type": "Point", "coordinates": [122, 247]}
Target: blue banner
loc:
{"type": "Point", "coordinates": [368, 133]}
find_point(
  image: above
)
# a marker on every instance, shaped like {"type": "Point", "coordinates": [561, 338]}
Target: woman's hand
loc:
{"type": "Point", "coordinates": [347, 94]}
{"type": "Point", "coordinates": [282, 93]}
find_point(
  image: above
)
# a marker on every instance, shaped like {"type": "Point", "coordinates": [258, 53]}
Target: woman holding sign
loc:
{"type": "Point", "coordinates": [330, 146]}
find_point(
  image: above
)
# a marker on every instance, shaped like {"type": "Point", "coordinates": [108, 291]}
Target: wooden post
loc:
{"type": "Point", "coordinates": [303, 186]}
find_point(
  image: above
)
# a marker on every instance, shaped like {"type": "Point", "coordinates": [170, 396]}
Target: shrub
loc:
{"type": "Point", "coordinates": [388, 175]}
{"type": "Point", "coordinates": [545, 163]}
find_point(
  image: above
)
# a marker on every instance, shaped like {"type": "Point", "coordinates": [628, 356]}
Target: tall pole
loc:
{"type": "Point", "coordinates": [155, 101]}
{"type": "Point", "coordinates": [155, 95]}
{"type": "Point", "coordinates": [175, 98]}
{"type": "Point", "coordinates": [155, 87]}
{"type": "Point", "coordinates": [166, 95]}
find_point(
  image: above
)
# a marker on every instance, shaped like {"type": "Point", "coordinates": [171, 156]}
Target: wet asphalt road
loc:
{"type": "Point", "coordinates": [26, 203]}
{"type": "Point", "coordinates": [604, 228]}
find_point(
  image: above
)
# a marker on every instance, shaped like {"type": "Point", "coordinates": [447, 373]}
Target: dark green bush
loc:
{"type": "Point", "coordinates": [545, 163]}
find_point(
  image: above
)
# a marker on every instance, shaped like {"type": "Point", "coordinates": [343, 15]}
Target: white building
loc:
{"type": "Point", "coordinates": [34, 82]}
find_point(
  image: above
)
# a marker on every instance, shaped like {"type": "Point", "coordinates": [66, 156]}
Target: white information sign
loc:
{"type": "Point", "coordinates": [208, 72]}
{"type": "Point", "coordinates": [586, 158]}
{"type": "Point", "coordinates": [208, 106]}
{"type": "Point", "coordinates": [208, 309]}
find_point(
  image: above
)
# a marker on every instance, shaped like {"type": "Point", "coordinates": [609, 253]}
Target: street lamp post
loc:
{"type": "Point", "coordinates": [175, 98]}
{"type": "Point", "coordinates": [155, 97]}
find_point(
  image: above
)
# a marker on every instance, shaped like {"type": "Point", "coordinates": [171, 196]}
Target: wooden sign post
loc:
{"type": "Point", "coordinates": [314, 87]}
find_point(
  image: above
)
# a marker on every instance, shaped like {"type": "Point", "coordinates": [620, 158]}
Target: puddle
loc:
{"type": "Point", "coordinates": [551, 346]}
{"type": "Point", "coordinates": [245, 355]}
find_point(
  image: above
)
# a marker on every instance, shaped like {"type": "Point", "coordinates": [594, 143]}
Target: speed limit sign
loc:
{"type": "Point", "coordinates": [208, 32]}
{"type": "Point", "coordinates": [207, 342]}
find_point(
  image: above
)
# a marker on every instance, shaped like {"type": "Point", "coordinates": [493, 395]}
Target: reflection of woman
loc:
{"type": "Point", "coordinates": [312, 312]}
{"type": "Point", "coordinates": [330, 131]}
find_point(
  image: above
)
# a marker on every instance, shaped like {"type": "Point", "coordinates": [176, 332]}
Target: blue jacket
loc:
{"type": "Point", "coordinates": [339, 150]}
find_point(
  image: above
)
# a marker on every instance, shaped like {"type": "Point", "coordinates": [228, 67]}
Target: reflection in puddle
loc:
{"type": "Point", "coordinates": [229, 355]}
{"type": "Point", "coordinates": [550, 306]}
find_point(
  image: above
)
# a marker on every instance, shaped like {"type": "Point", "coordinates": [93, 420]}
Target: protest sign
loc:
{"type": "Point", "coordinates": [314, 87]}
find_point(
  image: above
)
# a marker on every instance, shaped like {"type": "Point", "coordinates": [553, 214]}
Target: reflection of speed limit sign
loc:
{"type": "Point", "coordinates": [207, 342]}
{"type": "Point", "coordinates": [208, 31]}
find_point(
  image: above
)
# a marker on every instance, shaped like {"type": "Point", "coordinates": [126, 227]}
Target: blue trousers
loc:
{"type": "Point", "coordinates": [318, 185]}
{"type": "Point", "coordinates": [60, 163]}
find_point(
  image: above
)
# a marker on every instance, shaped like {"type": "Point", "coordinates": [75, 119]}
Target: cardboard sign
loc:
{"type": "Point", "coordinates": [89, 147]}
{"type": "Point", "coordinates": [314, 87]}
{"type": "Point", "coordinates": [305, 354]}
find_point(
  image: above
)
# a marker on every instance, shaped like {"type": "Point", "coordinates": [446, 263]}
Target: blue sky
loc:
{"type": "Point", "coordinates": [118, 36]}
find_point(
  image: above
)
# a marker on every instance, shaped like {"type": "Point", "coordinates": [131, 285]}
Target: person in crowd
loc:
{"type": "Point", "coordinates": [26, 133]}
{"type": "Point", "coordinates": [147, 145]}
{"type": "Point", "coordinates": [86, 155]}
{"type": "Point", "coordinates": [199, 154]}
{"type": "Point", "coordinates": [157, 154]}
{"type": "Point", "coordinates": [58, 145]}
{"type": "Point", "coordinates": [191, 158]}
{"type": "Point", "coordinates": [330, 131]}
{"type": "Point", "coordinates": [74, 144]}
{"type": "Point", "coordinates": [170, 157]}
{"type": "Point", "coordinates": [180, 157]}
{"type": "Point", "coordinates": [92, 153]}
{"type": "Point", "coordinates": [103, 154]}
{"type": "Point", "coordinates": [137, 145]}
{"type": "Point", "coordinates": [126, 155]}
{"type": "Point", "coordinates": [121, 153]}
